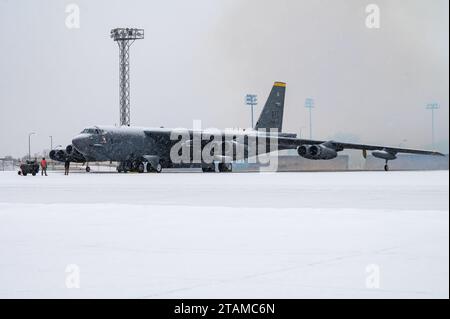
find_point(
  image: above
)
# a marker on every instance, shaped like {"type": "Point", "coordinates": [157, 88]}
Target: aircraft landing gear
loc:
{"type": "Point", "coordinates": [124, 167]}
{"type": "Point", "coordinates": [386, 167]}
{"type": "Point", "coordinates": [138, 166]}
{"type": "Point", "coordinates": [157, 169]}
{"type": "Point", "coordinates": [208, 169]}
{"type": "Point", "coordinates": [225, 167]}
{"type": "Point", "coordinates": [88, 169]}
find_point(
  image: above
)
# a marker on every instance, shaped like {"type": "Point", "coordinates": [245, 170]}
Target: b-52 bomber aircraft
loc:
{"type": "Point", "coordinates": [152, 149]}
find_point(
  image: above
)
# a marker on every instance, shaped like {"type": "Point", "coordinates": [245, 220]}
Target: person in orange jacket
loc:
{"type": "Point", "coordinates": [43, 167]}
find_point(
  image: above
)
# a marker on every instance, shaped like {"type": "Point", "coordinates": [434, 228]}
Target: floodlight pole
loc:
{"type": "Point", "coordinates": [252, 100]}
{"type": "Point", "coordinates": [29, 144]}
{"type": "Point", "coordinates": [309, 104]}
{"type": "Point", "coordinates": [125, 37]}
{"type": "Point", "coordinates": [51, 147]}
{"type": "Point", "coordinates": [432, 107]}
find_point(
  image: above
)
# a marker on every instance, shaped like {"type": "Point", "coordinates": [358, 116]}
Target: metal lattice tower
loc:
{"type": "Point", "coordinates": [125, 37]}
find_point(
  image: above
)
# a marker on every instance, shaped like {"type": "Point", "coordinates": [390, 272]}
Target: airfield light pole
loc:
{"type": "Point", "coordinates": [252, 100]}
{"type": "Point", "coordinates": [309, 104]}
{"type": "Point", "coordinates": [432, 107]}
{"type": "Point", "coordinates": [125, 37]}
{"type": "Point", "coordinates": [301, 131]}
{"type": "Point", "coordinates": [29, 144]}
{"type": "Point", "coordinates": [51, 147]}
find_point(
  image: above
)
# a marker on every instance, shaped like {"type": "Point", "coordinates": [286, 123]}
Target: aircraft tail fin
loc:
{"type": "Point", "coordinates": [272, 114]}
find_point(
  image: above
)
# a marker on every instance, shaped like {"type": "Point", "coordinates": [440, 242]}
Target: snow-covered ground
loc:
{"type": "Point", "coordinates": [189, 235]}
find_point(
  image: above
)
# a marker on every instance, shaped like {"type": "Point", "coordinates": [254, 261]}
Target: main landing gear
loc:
{"type": "Point", "coordinates": [139, 167]}
{"type": "Point", "coordinates": [157, 168]}
{"type": "Point", "coordinates": [225, 167]}
{"type": "Point", "coordinates": [386, 167]}
{"type": "Point", "coordinates": [208, 168]}
{"type": "Point", "coordinates": [221, 167]}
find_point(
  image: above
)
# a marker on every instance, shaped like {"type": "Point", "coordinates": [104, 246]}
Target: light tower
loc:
{"type": "Point", "coordinates": [29, 144]}
{"type": "Point", "coordinates": [125, 37]}
{"type": "Point", "coordinates": [251, 100]}
{"type": "Point", "coordinates": [432, 107]}
{"type": "Point", "coordinates": [309, 104]}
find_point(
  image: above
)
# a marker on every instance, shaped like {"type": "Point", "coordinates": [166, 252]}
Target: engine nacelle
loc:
{"type": "Point", "coordinates": [69, 153]}
{"type": "Point", "coordinates": [317, 152]}
{"type": "Point", "coordinates": [388, 156]}
{"type": "Point", "coordinates": [69, 149]}
{"type": "Point", "coordinates": [61, 155]}
{"type": "Point", "coordinates": [52, 155]}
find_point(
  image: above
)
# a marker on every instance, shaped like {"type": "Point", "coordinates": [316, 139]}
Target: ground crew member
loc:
{"type": "Point", "coordinates": [66, 167]}
{"type": "Point", "coordinates": [43, 167]}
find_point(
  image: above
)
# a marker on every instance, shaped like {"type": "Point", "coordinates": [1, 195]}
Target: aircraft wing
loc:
{"type": "Point", "coordinates": [389, 149]}
{"type": "Point", "coordinates": [286, 143]}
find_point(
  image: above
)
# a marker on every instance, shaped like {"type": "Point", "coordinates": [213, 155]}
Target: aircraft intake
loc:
{"type": "Point", "coordinates": [52, 155]}
{"type": "Point", "coordinates": [69, 149]}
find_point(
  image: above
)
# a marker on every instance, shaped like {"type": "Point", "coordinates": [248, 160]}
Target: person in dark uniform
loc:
{"type": "Point", "coordinates": [66, 167]}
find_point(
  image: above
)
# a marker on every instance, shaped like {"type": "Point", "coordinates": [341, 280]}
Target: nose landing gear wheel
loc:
{"type": "Point", "coordinates": [386, 167]}
{"type": "Point", "coordinates": [88, 169]}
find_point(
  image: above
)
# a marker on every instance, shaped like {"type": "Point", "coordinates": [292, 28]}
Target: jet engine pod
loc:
{"type": "Point", "coordinates": [60, 155]}
{"type": "Point", "coordinates": [317, 152]}
{"type": "Point", "coordinates": [52, 155]}
{"type": "Point", "coordinates": [322, 152]}
{"type": "Point", "coordinates": [69, 149]}
{"type": "Point", "coordinates": [303, 150]}
{"type": "Point", "coordinates": [77, 157]}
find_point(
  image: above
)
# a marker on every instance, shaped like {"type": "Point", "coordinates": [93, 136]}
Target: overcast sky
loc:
{"type": "Point", "coordinates": [200, 57]}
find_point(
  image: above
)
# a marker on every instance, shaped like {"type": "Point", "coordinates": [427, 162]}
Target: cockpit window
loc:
{"type": "Point", "coordinates": [91, 131]}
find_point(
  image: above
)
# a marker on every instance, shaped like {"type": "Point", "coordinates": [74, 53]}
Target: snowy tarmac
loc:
{"type": "Point", "coordinates": [239, 235]}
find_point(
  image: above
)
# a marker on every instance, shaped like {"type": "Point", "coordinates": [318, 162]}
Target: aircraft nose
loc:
{"type": "Point", "coordinates": [80, 142]}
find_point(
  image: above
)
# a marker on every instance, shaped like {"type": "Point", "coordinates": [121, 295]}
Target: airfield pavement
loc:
{"type": "Point", "coordinates": [236, 235]}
